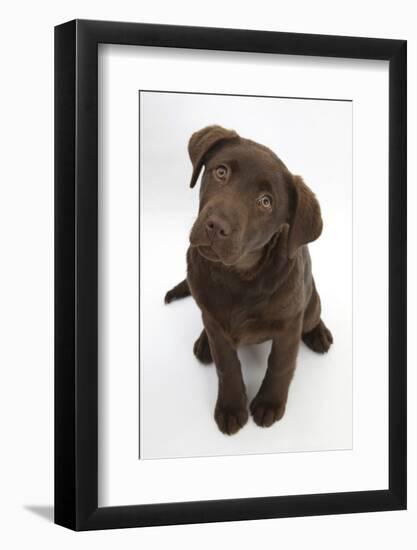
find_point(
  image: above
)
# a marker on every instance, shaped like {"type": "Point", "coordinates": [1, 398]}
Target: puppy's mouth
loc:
{"type": "Point", "coordinates": [207, 252]}
{"type": "Point", "coordinates": [210, 254]}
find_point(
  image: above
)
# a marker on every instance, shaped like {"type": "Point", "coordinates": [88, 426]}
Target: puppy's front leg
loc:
{"type": "Point", "coordinates": [268, 406]}
{"type": "Point", "coordinates": [230, 412]}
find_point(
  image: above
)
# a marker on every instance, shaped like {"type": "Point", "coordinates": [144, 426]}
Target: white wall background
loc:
{"type": "Point", "coordinates": [26, 289]}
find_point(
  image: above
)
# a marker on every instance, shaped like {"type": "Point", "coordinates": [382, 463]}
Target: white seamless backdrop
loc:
{"type": "Point", "coordinates": [314, 138]}
{"type": "Point", "coordinates": [123, 479]}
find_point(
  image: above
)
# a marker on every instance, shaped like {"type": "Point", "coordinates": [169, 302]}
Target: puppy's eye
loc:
{"type": "Point", "coordinates": [221, 172]}
{"type": "Point", "coordinates": [264, 202]}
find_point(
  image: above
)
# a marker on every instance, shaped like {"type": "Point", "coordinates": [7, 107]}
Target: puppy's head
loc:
{"type": "Point", "coordinates": [247, 196]}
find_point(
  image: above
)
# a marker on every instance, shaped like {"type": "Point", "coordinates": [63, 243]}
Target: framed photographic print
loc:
{"type": "Point", "coordinates": [230, 255]}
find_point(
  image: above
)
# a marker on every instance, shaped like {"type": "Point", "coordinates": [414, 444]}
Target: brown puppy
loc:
{"type": "Point", "coordinates": [249, 270]}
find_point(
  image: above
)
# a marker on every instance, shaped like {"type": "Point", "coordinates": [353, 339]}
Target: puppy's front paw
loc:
{"type": "Point", "coordinates": [266, 412]}
{"type": "Point", "coordinates": [230, 418]}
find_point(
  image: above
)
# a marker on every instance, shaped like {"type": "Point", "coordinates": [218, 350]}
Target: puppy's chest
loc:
{"type": "Point", "coordinates": [254, 325]}
{"type": "Point", "coordinates": [245, 319]}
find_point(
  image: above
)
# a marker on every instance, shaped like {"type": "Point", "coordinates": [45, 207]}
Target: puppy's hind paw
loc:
{"type": "Point", "coordinates": [181, 290]}
{"type": "Point", "coordinates": [319, 339]}
{"type": "Point", "coordinates": [202, 349]}
{"type": "Point", "coordinates": [169, 296]}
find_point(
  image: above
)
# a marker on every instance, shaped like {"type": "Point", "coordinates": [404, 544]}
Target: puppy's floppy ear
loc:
{"type": "Point", "coordinates": [305, 219]}
{"type": "Point", "coordinates": [201, 142]}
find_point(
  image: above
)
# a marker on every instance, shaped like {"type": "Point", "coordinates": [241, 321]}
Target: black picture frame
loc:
{"type": "Point", "coordinates": [76, 272]}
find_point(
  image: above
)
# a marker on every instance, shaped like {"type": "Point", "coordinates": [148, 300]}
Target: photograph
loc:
{"type": "Point", "coordinates": [245, 274]}
{"type": "Point", "coordinates": [208, 235]}
{"type": "Point", "coordinates": [230, 239]}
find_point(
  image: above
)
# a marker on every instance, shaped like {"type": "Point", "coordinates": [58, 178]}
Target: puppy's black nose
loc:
{"type": "Point", "coordinates": [217, 228]}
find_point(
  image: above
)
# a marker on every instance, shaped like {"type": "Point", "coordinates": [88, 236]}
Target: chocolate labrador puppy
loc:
{"type": "Point", "coordinates": [249, 270]}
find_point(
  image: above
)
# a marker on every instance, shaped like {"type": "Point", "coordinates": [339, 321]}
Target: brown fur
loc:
{"type": "Point", "coordinates": [249, 270]}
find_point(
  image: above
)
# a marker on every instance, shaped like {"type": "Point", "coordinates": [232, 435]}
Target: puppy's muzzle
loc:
{"type": "Point", "coordinates": [217, 229]}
